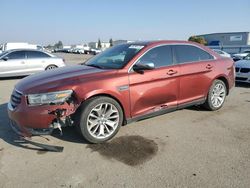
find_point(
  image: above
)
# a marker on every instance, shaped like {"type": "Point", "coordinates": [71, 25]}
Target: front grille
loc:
{"type": "Point", "coordinates": [241, 79]}
{"type": "Point", "coordinates": [15, 98]}
{"type": "Point", "coordinates": [245, 70]}
{"type": "Point", "coordinates": [237, 69]}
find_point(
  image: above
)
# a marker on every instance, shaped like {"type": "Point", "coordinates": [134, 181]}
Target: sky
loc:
{"type": "Point", "coordinates": [77, 21]}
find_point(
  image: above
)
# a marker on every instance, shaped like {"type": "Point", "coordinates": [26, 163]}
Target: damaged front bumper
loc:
{"type": "Point", "coordinates": [27, 120]}
{"type": "Point", "coordinates": [28, 132]}
{"type": "Point", "coordinates": [25, 134]}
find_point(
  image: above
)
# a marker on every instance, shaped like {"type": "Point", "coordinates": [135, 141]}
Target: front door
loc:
{"type": "Point", "coordinates": [13, 64]}
{"type": "Point", "coordinates": [157, 89]}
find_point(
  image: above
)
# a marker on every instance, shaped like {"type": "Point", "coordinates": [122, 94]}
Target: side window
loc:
{"type": "Point", "coordinates": [161, 56]}
{"type": "Point", "coordinates": [16, 55]}
{"type": "Point", "coordinates": [36, 54]}
{"type": "Point", "coordinates": [187, 53]}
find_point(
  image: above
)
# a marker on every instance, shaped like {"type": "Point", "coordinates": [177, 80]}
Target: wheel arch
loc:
{"type": "Point", "coordinates": [110, 96]}
{"type": "Point", "coordinates": [51, 65]}
{"type": "Point", "coordinates": [224, 79]}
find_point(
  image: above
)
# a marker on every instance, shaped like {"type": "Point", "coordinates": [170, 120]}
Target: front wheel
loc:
{"type": "Point", "coordinates": [216, 95]}
{"type": "Point", "coordinates": [100, 119]}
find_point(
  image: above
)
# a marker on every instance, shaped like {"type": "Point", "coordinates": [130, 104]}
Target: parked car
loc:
{"type": "Point", "coordinates": [239, 56]}
{"type": "Point", "coordinates": [95, 51]}
{"type": "Point", "coordinates": [222, 53]}
{"type": "Point", "coordinates": [25, 62]}
{"type": "Point", "coordinates": [242, 69]}
{"type": "Point", "coordinates": [98, 97]}
{"type": "Point", "coordinates": [79, 51]}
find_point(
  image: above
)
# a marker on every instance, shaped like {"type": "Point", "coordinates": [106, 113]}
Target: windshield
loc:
{"type": "Point", "coordinates": [247, 57]}
{"type": "Point", "coordinates": [218, 51]}
{"type": "Point", "coordinates": [3, 54]}
{"type": "Point", "coordinates": [115, 57]}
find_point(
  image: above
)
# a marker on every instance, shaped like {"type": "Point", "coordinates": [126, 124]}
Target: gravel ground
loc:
{"type": "Point", "coordinates": [186, 148]}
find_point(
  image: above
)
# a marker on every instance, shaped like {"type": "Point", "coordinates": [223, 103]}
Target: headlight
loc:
{"type": "Point", "coordinates": [49, 98]}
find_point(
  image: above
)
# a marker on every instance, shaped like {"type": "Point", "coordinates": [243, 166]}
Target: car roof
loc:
{"type": "Point", "coordinates": [158, 42]}
{"type": "Point", "coordinates": [180, 42]}
{"type": "Point", "coordinates": [24, 49]}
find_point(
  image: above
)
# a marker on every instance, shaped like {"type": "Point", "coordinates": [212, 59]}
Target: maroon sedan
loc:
{"type": "Point", "coordinates": [125, 83]}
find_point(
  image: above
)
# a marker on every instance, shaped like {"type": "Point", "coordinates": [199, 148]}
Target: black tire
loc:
{"type": "Point", "coordinates": [209, 104]}
{"type": "Point", "coordinates": [85, 111]}
{"type": "Point", "coordinates": [50, 67]}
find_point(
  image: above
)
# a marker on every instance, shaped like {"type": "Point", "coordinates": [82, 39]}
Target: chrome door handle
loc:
{"type": "Point", "coordinates": [171, 72]}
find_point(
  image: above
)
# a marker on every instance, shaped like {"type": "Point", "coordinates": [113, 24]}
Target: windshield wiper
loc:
{"type": "Point", "coordinates": [96, 66]}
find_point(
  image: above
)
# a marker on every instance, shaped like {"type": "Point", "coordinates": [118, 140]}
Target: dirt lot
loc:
{"type": "Point", "coordinates": [186, 148]}
{"type": "Point", "coordinates": [72, 59]}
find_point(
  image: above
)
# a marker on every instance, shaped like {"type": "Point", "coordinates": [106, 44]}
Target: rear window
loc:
{"type": "Point", "coordinates": [188, 53]}
{"type": "Point", "coordinates": [36, 54]}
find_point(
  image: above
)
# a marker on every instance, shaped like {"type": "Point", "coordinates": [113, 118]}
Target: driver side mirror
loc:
{"type": "Point", "coordinates": [247, 57]}
{"type": "Point", "coordinates": [140, 67]}
{"type": "Point", "coordinates": [5, 58]}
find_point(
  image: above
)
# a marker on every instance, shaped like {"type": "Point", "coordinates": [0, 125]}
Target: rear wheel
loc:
{"type": "Point", "coordinates": [100, 119]}
{"type": "Point", "coordinates": [50, 67]}
{"type": "Point", "coordinates": [216, 96]}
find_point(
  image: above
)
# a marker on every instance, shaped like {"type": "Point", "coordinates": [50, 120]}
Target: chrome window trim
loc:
{"type": "Point", "coordinates": [204, 60]}
{"type": "Point", "coordinates": [173, 44]}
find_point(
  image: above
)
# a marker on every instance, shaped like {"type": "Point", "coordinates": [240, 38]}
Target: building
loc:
{"type": "Point", "coordinates": [116, 42]}
{"type": "Point", "coordinates": [227, 39]}
{"type": "Point", "coordinates": [104, 45]}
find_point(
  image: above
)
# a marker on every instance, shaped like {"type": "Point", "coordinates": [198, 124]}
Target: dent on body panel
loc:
{"type": "Point", "coordinates": [152, 95]}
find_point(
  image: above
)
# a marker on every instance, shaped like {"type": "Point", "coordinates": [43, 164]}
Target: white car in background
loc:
{"type": "Point", "coordinates": [22, 62]}
{"type": "Point", "coordinates": [242, 69]}
{"type": "Point", "coordinates": [240, 56]}
{"type": "Point", "coordinates": [222, 53]}
{"type": "Point", "coordinates": [78, 51]}
{"type": "Point", "coordinates": [95, 51]}
{"type": "Point", "coordinates": [18, 45]}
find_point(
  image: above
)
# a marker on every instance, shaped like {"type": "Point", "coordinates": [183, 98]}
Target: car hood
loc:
{"type": "Point", "coordinates": [57, 78]}
{"type": "Point", "coordinates": [243, 64]}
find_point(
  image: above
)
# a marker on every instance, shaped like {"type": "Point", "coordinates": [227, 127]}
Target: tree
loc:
{"type": "Point", "coordinates": [49, 46]}
{"type": "Point", "coordinates": [111, 42]}
{"type": "Point", "coordinates": [99, 45]}
{"type": "Point", "coordinates": [58, 45]}
{"type": "Point", "coordinates": [198, 39]}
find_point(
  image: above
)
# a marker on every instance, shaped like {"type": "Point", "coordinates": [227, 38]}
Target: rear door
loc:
{"type": "Point", "coordinates": [36, 61]}
{"type": "Point", "coordinates": [196, 69]}
{"type": "Point", "coordinates": [157, 89]}
{"type": "Point", "coordinates": [14, 64]}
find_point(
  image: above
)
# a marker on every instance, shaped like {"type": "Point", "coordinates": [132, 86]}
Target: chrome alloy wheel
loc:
{"type": "Point", "coordinates": [218, 95]}
{"type": "Point", "coordinates": [103, 120]}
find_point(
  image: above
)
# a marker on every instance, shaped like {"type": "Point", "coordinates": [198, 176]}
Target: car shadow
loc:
{"type": "Point", "coordinates": [6, 132]}
{"type": "Point", "coordinates": [8, 135]}
{"type": "Point", "coordinates": [196, 108]}
{"type": "Point", "coordinates": [241, 84]}
{"type": "Point", "coordinates": [70, 134]}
